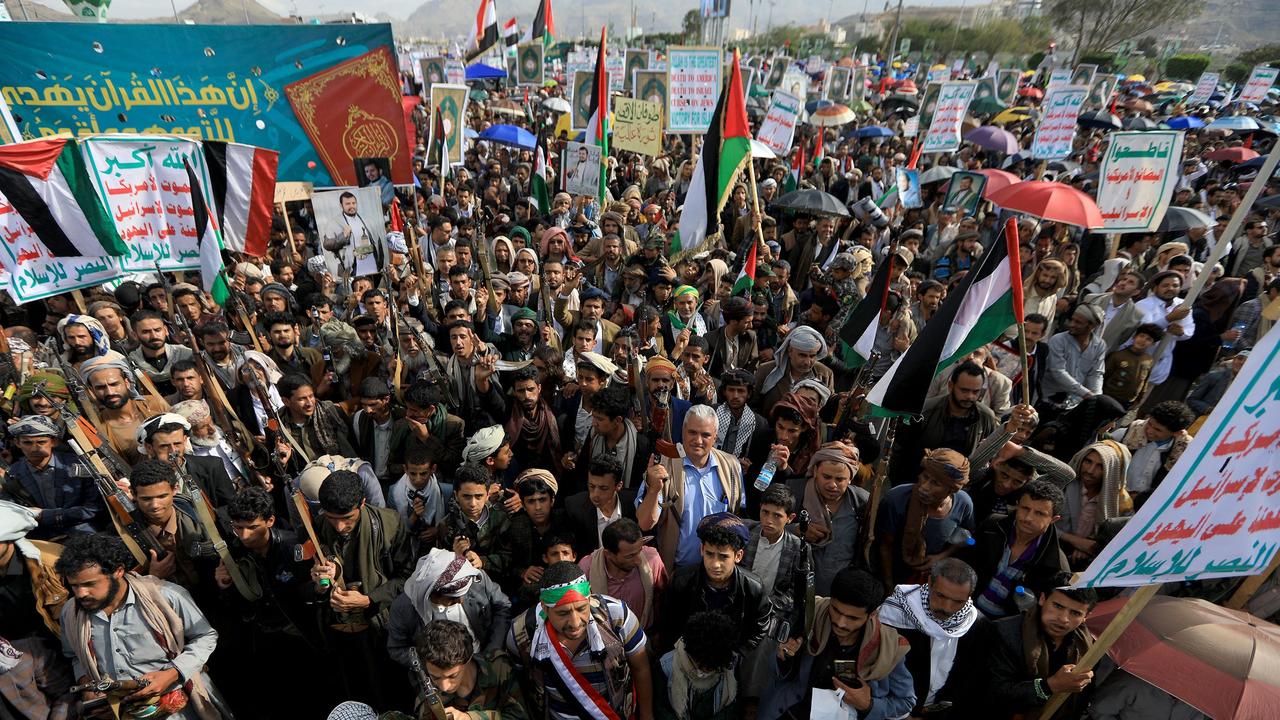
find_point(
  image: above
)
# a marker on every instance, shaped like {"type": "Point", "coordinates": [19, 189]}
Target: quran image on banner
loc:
{"type": "Point", "coordinates": [637, 126]}
{"type": "Point", "coordinates": [353, 110]}
{"type": "Point", "coordinates": [451, 101]}
{"type": "Point", "coordinates": [943, 134]}
{"type": "Point", "coordinates": [147, 191]}
{"type": "Point", "coordinates": [581, 100]}
{"type": "Point", "coordinates": [838, 84]}
{"type": "Point", "coordinates": [635, 60]}
{"type": "Point", "coordinates": [1215, 514]}
{"type": "Point", "coordinates": [530, 64]}
{"type": "Point", "coordinates": [693, 88]}
{"type": "Point", "coordinates": [352, 234]}
{"type": "Point", "coordinates": [1007, 86]}
{"type": "Point", "coordinates": [1137, 179]}
{"type": "Point", "coordinates": [650, 85]}
{"type": "Point", "coordinates": [1260, 81]}
{"type": "Point", "coordinates": [214, 82]}
{"type": "Point", "coordinates": [432, 72]}
{"type": "Point", "coordinates": [1205, 88]}
{"type": "Point", "coordinates": [778, 128]}
{"type": "Point", "coordinates": [858, 84]}
{"type": "Point", "coordinates": [1057, 128]}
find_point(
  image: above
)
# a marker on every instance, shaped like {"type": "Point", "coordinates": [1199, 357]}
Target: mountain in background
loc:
{"type": "Point", "coordinates": [228, 12]}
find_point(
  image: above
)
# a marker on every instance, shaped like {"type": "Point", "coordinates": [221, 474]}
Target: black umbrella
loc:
{"type": "Point", "coordinates": [1181, 219]}
{"type": "Point", "coordinates": [1099, 121]}
{"type": "Point", "coordinates": [1139, 123]}
{"type": "Point", "coordinates": [813, 202]}
{"type": "Point", "coordinates": [1270, 201]}
{"type": "Point", "coordinates": [900, 104]}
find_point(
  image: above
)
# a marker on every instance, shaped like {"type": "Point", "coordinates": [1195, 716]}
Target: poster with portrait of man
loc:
{"type": "Point", "coordinates": [650, 85]}
{"type": "Point", "coordinates": [1100, 93]}
{"type": "Point", "coordinates": [581, 171]}
{"type": "Point", "coordinates": [929, 103]}
{"type": "Point", "coordinates": [352, 234]}
{"type": "Point", "coordinates": [965, 192]}
{"type": "Point", "coordinates": [635, 60]}
{"type": "Point", "coordinates": [582, 82]}
{"type": "Point", "coordinates": [530, 61]}
{"type": "Point", "coordinates": [777, 68]}
{"type": "Point", "coordinates": [433, 72]}
{"type": "Point", "coordinates": [1084, 74]}
{"type": "Point", "coordinates": [376, 171]}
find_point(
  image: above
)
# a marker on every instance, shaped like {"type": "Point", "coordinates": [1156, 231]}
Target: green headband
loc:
{"type": "Point", "coordinates": [575, 591]}
{"type": "Point", "coordinates": [686, 290]}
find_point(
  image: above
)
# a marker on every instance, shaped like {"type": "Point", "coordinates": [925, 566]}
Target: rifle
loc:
{"type": "Point", "coordinates": [124, 514]}
{"type": "Point", "coordinates": [430, 696]}
{"type": "Point", "coordinates": [436, 371]}
{"type": "Point", "coordinates": [111, 690]}
{"type": "Point", "coordinates": [74, 385]}
{"type": "Point", "coordinates": [482, 256]}
{"type": "Point", "coordinates": [851, 405]}
{"type": "Point", "coordinates": [204, 513]}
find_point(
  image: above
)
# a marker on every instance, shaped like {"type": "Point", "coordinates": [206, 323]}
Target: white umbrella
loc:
{"type": "Point", "coordinates": [937, 173]}
{"type": "Point", "coordinates": [760, 150]}
{"type": "Point", "coordinates": [556, 104]}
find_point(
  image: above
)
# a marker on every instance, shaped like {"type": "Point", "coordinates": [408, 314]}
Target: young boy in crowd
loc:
{"type": "Point", "coordinates": [419, 496]}
{"type": "Point", "coordinates": [474, 527]}
{"type": "Point", "coordinates": [1126, 370]}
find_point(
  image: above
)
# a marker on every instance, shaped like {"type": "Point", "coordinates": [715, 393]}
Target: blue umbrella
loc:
{"type": "Point", "coordinates": [1235, 122]}
{"type": "Point", "coordinates": [480, 71]}
{"type": "Point", "coordinates": [813, 106]}
{"type": "Point", "coordinates": [872, 131]}
{"type": "Point", "coordinates": [1184, 122]}
{"type": "Point", "coordinates": [510, 135]}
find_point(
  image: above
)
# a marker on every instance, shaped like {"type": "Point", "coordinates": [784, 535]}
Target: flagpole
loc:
{"type": "Point", "coordinates": [288, 231]}
{"type": "Point", "coordinates": [755, 207]}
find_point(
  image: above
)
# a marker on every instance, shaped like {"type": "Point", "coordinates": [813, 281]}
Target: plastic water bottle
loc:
{"type": "Point", "coordinates": [765, 478]}
{"type": "Point", "coordinates": [1023, 599]}
{"type": "Point", "coordinates": [1230, 344]}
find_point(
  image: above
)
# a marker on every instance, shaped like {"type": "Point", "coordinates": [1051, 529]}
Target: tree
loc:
{"type": "Point", "coordinates": [1187, 66]}
{"type": "Point", "coordinates": [692, 24]}
{"type": "Point", "coordinates": [1238, 71]}
{"type": "Point", "coordinates": [1103, 24]}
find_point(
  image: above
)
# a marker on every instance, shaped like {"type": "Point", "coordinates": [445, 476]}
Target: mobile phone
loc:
{"type": "Point", "coordinates": [847, 673]}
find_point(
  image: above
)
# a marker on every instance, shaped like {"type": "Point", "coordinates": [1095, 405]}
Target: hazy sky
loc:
{"type": "Point", "coordinates": [506, 8]}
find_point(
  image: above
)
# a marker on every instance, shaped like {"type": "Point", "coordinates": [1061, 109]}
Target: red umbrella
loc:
{"type": "Point", "coordinates": [1231, 154]}
{"type": "Point", "coordinates": [1034, 92]}
{"type": "Point", "coordinates": [1050, 201]}
{"type": "Point", "coordinates": [1221, 662]}
{"type": "Point", "coordinates": [997, 180]}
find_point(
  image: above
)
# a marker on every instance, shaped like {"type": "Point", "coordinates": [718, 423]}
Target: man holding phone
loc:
{"type": "Point", "coordinates": [849, 657]}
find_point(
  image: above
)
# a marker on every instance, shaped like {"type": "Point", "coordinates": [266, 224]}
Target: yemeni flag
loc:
{"type": "Point", "coordinates": [792, 181]}
{"type": "Point", "coordinates": [544, 25]}
{"type": "Point", "coordinates": [47, 184]}
{"type": "Point", "coordinates": [538, 183]}
{"type": "Point", "coordinates": [484, 34]}
{"type": "Point", "coordinates": [510, 36]}
{"type": "Point", "coordinates": [858, 336]}
{"type": "Point", "coordinates": [726, 147]}
{"type": "Point", "coordinates": [242, 183]}
{"type": "Point", "coordinates": [747, 276]}
{"type": "Point", "coordinates": [211, 276]}
{"type": "Point", "coordinates": [981, 307]}
{"type": "Point", "coordinates": [598, 114]}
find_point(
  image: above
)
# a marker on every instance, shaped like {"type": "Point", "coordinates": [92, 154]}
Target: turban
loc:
{"type": "Point", "coordinates": [152, 424]}
{"type": "Point", "coordinates": [106, 362]}
{"type": "Point", "coordinates": [194, 411]}
{"type": "Point", "coordinates": [396, 243]}
{"type": "Point", "coordinates": [276, 288]}
{"type": "Point", "coordinates": [517, 279]}
{"type": "Point", "coordinates": [101, 343]}
{"type": "Point", "coordinates": [600, 362]}
{"type": "Point", "coordinates": [686, 290]}
{"type": "Point", "coordinates": [549, 233]}
{"type": "Point", "coordinates": [267, 364]}
{"type": "Point", "coordinates": [836, 452]}
{"type": "Point", "coordinates": [336, 331]}
{"type": "Point", "coordinates": [483, 444]}
{"type": "Point", "coordinates": [439, 572]}
{"type": "Point", "coordinates": [524, 313]}
{"type": "Point", "coordinates": [54, 384]}
{"type": "Point", "coordinates": [15, 521]}
{"type": "Point", "coordinates": [659, 363]}
{"type": "Point", "coordinates": [499, 282]}
{"type": "Point", "coordinates": [824, 392]}
{"type": "Point", "coordinates": [729, 522]}
{"type": "Point", "coordinates": [249, 270]}
{"type": "Point", "coordinates": [536, 474]}
{"type": "Point", "coordinates": [524, 233]}
{"type": "Point", "coordinates": [35, 426]}
{"type": "Point", "coordinates": [802, 338]}
{"type": "Point", "coordinates": [948, 462]}
{"type": "Point", "coordinates": [1090, 313]}
{"type": "Point", "coordinates": [316, 264]}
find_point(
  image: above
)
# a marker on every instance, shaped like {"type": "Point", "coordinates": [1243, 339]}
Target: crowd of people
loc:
{"type": "Point", "coordinates": [537, 467]}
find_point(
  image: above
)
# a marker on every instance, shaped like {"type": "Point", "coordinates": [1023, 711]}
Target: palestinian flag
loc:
{"type": "Point", "coordinates": [792, 181]}
{"type": "Point", "coordinates": [484, 34]}
{"type": "Point", "coordinates": [440, 147]}
{"type": "Point", "coordinates": [47, 184]}
{"type": "Point", "coordinates": [544, 25]}
{"type": "Point", "coordinates": [538, 182]}
{"type": "Point", "coordinates": [981, 307]}
{"type": "Point", "coordinates": [747, 276]}
{"type": "Point", "coordinates": [242, 182]}
{"type": "Point", "coordinates": [510, 36]}
{"type": "Point", "coordinates": [726, 147]}
{"type": "Point", "coordinates": [598, 114]}
{"type": "Point", "coordinates": [858, 336]}
{"type": "Point", "coordinates": [819, 149]}
{"type": "Point", "coordinates": [214, 282]}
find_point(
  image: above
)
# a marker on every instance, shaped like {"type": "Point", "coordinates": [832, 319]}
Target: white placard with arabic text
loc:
{"type": "Point", "coordinates": [1205, 89]}
{"type": "Point", "coordinates": [778, 128]}
{"type": "Point", "coordinates": [1057, 129]}
{"type": "Point", "coordinates": [1260, 81]}
{"type": "Point", "coordinates": [1138, 176]}
{"type": "Point", "coordinates": [944, 130]}
{"type": "Point", "coordinates": [33, 271]}
{"type": "Point", "coordinates": [148, 194]}
{"type": "Point", "coordinates": [1217, 512]}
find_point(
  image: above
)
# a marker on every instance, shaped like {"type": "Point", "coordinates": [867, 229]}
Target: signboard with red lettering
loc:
{"type": "Point", "coordinates": [693, 87]}
{"type": "Point", "coordinates": [1057, 130]}
{"type": "Point", "coordinates": [1260, 81]}
{"type": "Point", "coordinates": [1137, 179]}
{"type": "Point", "coordinates": [1217, 512]}
{"type": "Point", "coordinates": [948, 115]}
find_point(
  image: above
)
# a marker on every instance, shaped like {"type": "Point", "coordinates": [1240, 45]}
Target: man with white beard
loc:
{"type": "Point", "coordinates": [207, 439]}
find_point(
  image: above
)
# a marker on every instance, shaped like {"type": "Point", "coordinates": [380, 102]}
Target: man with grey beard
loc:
{"type": "Point", "coordinates": [207, 439]}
